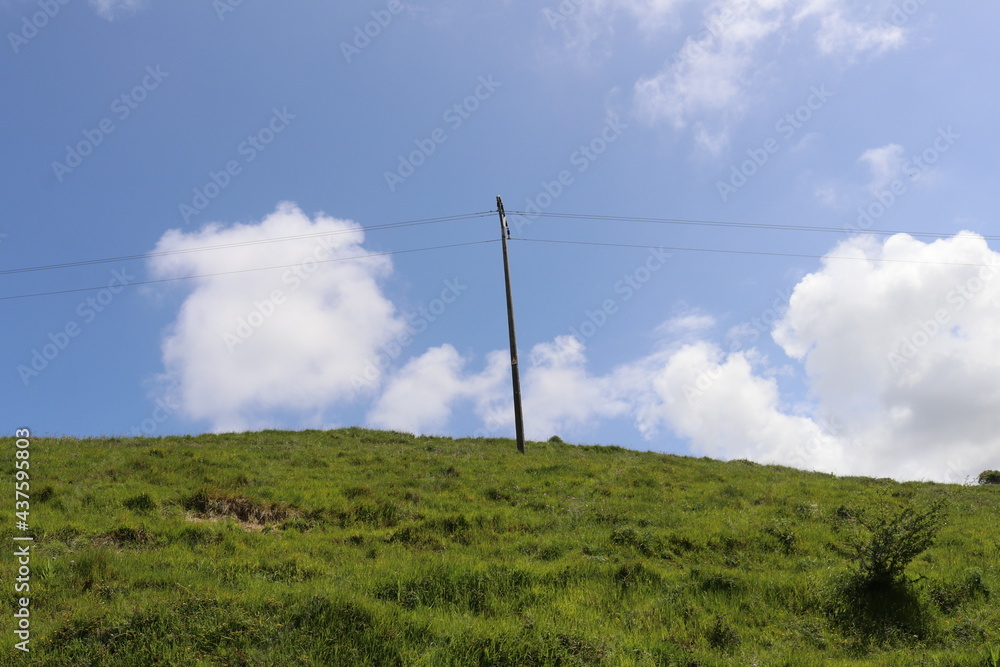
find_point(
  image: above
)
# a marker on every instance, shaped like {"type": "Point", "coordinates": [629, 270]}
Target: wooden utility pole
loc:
{"type": "Point", "coordinates": [515, 377]}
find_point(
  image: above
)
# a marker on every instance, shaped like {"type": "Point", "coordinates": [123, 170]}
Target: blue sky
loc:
{"type": "Point", "coordinates": [165, 130]}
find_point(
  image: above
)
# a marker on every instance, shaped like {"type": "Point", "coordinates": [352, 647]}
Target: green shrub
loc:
{"type": "Point", "coordinates": [889, 535]}
{"type": "Point", "coordinates": [989, 477]}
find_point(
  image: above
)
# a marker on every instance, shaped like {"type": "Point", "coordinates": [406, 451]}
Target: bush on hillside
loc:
{"type": "Point", "coordinates": [889, 535]}
{"type": "Point", "coordinates": [989, 477]}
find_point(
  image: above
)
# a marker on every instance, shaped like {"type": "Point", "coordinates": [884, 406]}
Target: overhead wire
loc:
{"type": "Point", "coordinates": [745, 252]}
{"type": "Point", "coordinates": [470, 216]}
{"type": "Point", "coordinates": [261, 268]}
{"type": "Point", "coordinates": [237, 244]}
{"type": "Point", "coordinates": [732, 224]}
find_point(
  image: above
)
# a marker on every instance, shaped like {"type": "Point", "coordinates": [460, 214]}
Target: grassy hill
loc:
{"type": "Point", "coordinates": [358, 547]}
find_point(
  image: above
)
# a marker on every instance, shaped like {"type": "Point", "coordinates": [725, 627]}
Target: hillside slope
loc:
{"type": "Point", "coordinates": [361, 547]}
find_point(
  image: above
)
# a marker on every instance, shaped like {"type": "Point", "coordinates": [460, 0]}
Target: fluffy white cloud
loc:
{"type": "Point", "coordinates": [724, 409]}
{"type": "Point", "coordinates": [905, 354]}
{"type": "Point", "coordinates": [249, 345]}
{"type": "Point", "coordinates": [898, 348]}
{"type": "Point", "coordinates": [558, 394]}
{"type": "Point", "coordinates": [422, 395]}
{"type": "Point", "coordinates": [112, 9]}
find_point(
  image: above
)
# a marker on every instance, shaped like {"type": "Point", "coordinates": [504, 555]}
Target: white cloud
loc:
{"type": "Point", "coordinates": [711, 78]}
{"type": "Point", "coordinates": [112, 9]}
{"type": "Point", "coordinates": [906, 354]}
{"type": "Point", "coordinates": [558, 394]}
{"type": "Point", "coordinates": [725, 409]}
{"type": "Point", "coordinates": [841, 35]}
{"type": "Point", "coordinates": [901, 359]}
{"type": "Point", "coordinates": [886, 163]}
{"type": "Point", "coordinates": [691, 322]}
{"type": "Point", "coordinates": [421, 397]}
{"type": "Point", "coordinates": [245, 348]}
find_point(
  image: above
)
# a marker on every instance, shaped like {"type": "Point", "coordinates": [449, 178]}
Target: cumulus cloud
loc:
{"type": "Point", "coordinates": [558, 394]}
{"type": "Point", "coordinates": [246, 347]}
{"type": "Point", "coordinates": [898, 348]}
{"type": "Point", "coordinates": [422, 396]}
{"type": "Point", "coordinates": [905, 353]}
{"type": "Point", "coordinates": [725, 408]}
{"type": "Point", "coordinates": [709, 81]}
{"type": "Point", "coordinates": [112, 9]}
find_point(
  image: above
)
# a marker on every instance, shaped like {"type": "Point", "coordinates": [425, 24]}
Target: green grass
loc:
{"type": "Point", "coordinates": [358, 547]}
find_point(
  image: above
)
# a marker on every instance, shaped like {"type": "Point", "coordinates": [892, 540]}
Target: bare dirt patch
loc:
{"type": "Point", "coordinates": [249, 513]}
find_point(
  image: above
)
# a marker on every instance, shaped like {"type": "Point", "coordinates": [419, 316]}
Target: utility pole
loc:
{"type": "Point", "coordinates": [515, 377]}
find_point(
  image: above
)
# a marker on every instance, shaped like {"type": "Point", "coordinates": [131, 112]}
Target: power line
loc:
{"type": "Point", "coordinates": [745, 252]}
{"type": "Point", "coordinates": [746, 225]}
{"type": "Point", "coordinates": [276, 239]}
{"type": "Point", "coordinates": [470, 216]}
{"type": "Point", "coordinates": [262, 268]}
